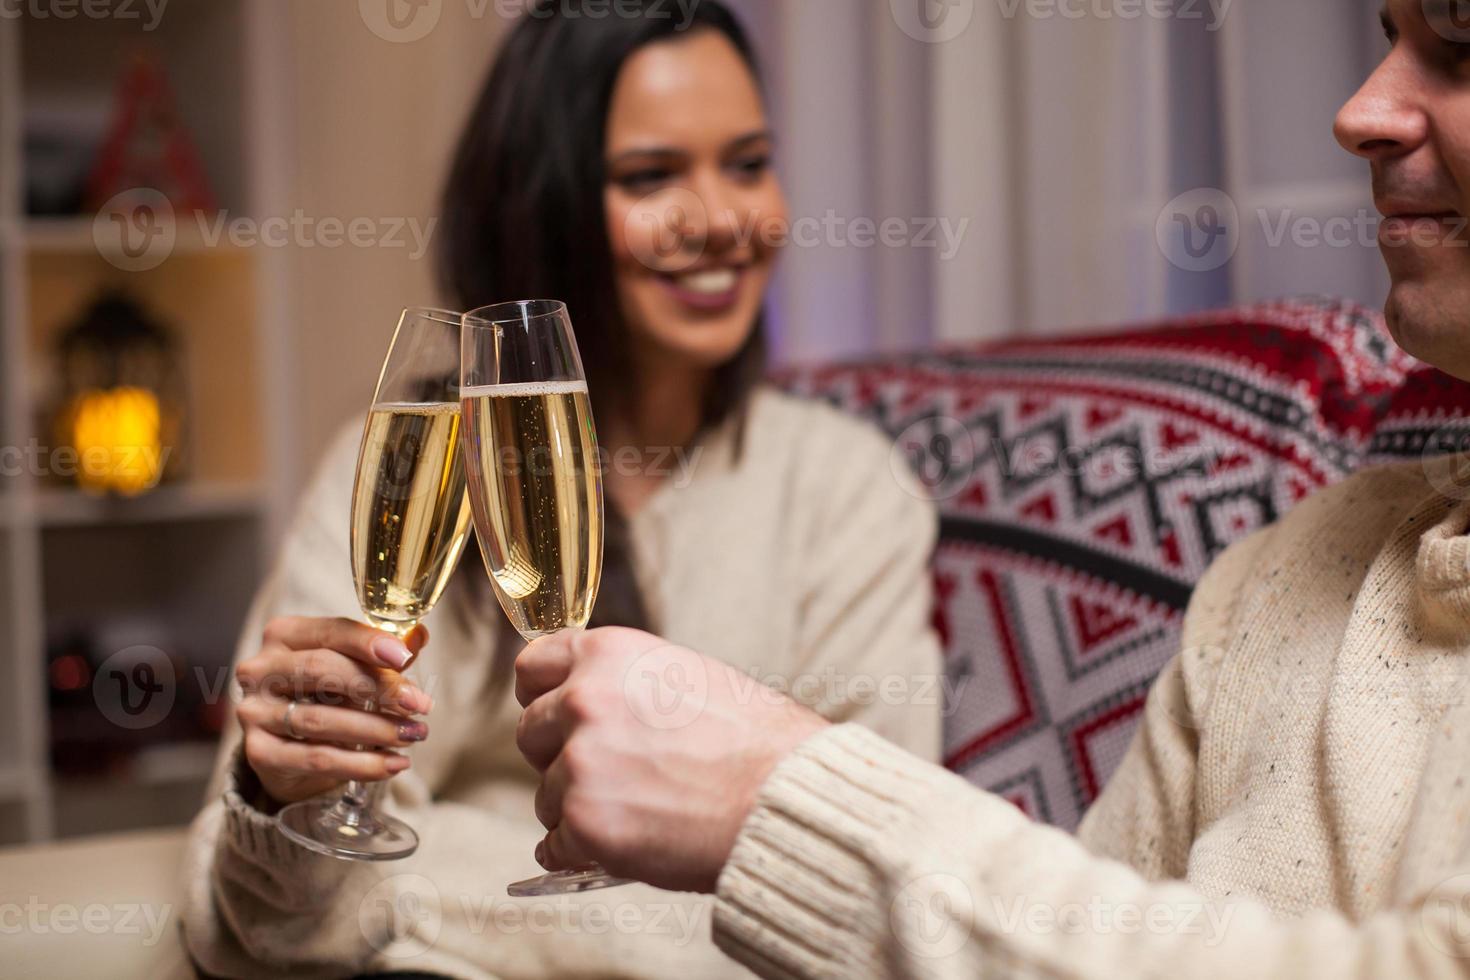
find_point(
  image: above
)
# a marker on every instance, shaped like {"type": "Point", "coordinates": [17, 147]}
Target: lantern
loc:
{"type": "Point", "coordinates": [121, 404]}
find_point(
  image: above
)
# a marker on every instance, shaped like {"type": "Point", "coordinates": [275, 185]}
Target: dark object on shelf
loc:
{"type": "Point", "coordinates": [61, 144]}
{"type": "Point", "coordinates": [147, 146]}
{"type": "Point", "coordinates": [102, 710]}
{"type": "Point", "coordinates": [121, 403]}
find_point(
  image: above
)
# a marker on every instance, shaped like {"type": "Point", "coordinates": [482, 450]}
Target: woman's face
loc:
{"type": "Point", "coordinates": [693, 205]}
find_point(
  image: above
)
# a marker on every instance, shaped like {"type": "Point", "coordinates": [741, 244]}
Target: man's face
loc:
{"type": "Point", "coordinates": [1411, 120]}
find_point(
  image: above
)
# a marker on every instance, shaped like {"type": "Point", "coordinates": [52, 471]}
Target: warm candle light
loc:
{"type": "Point", "coordinates": [117, 434]}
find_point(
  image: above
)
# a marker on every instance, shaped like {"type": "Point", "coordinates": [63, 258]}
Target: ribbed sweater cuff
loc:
{"type": "Point", "coordinates": [253, 834]}
{"type": "Point", "coordinates": [801, 895]}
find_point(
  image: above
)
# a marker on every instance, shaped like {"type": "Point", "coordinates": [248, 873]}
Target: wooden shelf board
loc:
{"type": "Point", "coordinates": [169, 504]}
{"type": "Point", "coordinates": [72, 236]}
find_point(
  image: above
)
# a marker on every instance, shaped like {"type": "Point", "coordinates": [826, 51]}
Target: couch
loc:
{"type": "Point", "coordinates": [1084, 485]}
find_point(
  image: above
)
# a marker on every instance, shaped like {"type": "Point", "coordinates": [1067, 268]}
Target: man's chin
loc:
{"type": "Point", "coordinates": [1432, 324]}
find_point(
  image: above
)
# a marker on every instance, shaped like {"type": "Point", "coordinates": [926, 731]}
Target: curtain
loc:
{"type": "Point", "coordinates": [1109, 161]}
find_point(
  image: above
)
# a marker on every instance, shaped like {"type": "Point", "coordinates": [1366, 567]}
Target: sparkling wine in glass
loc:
{"type": "Point", "coordinates": [534, 484]}
{"type": "Point", "coordinates": [410, 521]}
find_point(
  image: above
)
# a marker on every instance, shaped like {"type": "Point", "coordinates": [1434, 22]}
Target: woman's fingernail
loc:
{"type": "Point", "coordinates": [415, 700]}
{"type": "Point", "coordinates": [398, 763]}
{"type": "Point", "coordinates": [390, 652]}
{"type": "Point", "coordinates": [413, 731]}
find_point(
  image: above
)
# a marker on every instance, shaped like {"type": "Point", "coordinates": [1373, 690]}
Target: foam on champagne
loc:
{"type": "Point", "coordinates": [530, 389]}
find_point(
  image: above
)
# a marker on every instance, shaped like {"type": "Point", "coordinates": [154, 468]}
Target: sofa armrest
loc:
{"type": "Point", "coordinates": [98, 906]}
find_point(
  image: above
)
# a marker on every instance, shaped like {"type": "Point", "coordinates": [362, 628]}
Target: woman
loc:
{"type": "Point", "coordinates": [622, 164]}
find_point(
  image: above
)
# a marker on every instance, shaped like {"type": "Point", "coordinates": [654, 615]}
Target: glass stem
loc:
{"type": "Point", "coordinates": [359, 800]}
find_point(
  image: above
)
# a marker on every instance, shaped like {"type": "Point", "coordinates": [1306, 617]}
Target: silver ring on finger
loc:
{"type": "Point", "coordinates": [289, 721]}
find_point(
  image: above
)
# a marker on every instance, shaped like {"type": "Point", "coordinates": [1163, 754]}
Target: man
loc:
{"type": "Point", "coordinates": [1296, 802]}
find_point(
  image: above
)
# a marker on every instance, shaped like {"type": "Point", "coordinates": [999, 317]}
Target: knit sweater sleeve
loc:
{"type": "Point", "coordinates": [862, 861]}
{"type": "Point", "coordinates": [255, 901]}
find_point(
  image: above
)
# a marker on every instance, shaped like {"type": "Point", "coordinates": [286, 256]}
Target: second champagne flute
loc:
{"type": "Point", "coordinates": [535, 486]}
{"type": "Point", "coordinates": [410, 521]}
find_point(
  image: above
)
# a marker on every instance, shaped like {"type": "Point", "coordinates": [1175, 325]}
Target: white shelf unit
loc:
{"type": "Point", "coordinates": [183, 560]}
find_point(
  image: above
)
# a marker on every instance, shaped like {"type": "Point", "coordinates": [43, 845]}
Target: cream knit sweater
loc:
{"type": "Point", "coordinates": [1296, 803]}
{"type": "Point", "coordinates": [804, 562]}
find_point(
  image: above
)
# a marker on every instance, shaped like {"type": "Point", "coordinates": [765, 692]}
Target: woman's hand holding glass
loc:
{"type": "Point", "coordinates": [305, 711]}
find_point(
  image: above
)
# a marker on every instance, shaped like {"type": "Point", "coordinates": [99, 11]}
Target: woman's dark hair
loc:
{"type": "Point", "coordinates": [523, 212]}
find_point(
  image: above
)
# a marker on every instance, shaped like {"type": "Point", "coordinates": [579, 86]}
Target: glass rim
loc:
{"type": "Point", "coordinates": [515, 311]}
{"type": "Point", "coordinates": [433, 313]}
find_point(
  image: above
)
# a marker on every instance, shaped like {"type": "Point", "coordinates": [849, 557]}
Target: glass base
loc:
{"type": "Point", "coordinates": [585, 879]}
{"type": "Point", "coordinates": [328, 827]}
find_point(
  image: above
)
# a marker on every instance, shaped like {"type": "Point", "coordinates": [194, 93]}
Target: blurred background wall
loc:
{"type": "Point", "coordinates": [1049, 166]}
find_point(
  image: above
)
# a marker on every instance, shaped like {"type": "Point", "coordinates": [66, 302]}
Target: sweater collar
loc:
{"type": "Point", "coordinates": [1444, 550]}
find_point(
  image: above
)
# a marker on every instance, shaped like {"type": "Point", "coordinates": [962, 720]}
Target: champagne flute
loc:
{"type": "Point", "coordinates": [410, 522]}
{"type": "Point", "coordinates": [535, 486]}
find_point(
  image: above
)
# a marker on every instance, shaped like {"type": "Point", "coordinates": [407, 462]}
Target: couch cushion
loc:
{"type": "Point", "coordinates": [1085, 484]}
{"type": "Point", "coordinates": [99, 907]}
